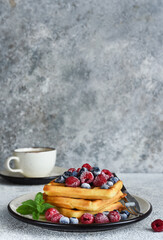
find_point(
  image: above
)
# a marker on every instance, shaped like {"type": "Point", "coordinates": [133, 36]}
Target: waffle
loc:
{"type": "Point", "coordinates": [60, 190]}
{"type": "Point", "coordinates": [82, 204]}
{"type": "Point", "coordinates": [78, 213]}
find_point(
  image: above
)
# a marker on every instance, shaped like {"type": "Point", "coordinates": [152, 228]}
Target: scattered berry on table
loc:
{"type": "Point", "coordinates": [86, 165]}
{"type": "Point", "coordinates": [74, 220]}
{"type": "Point", "coordinates": [104, 186]}
{"type": "Point", "coordinates": [64, 220]}
{"type": "Point", "coordinates": [86, 177]}
{"type": "Point", "coordinates": [72, 182]}
{"type": "Point", "coordinates": [87, 218]}
{"type": "Point", "coordinates": [50, 212]}
{"type": "Point", "coordinates": [107, 173]}
{"type": "Point", "coordinates": [85, 185]}
{"type": "Point", "coordinates": [110, 183]}
{"type": "Point", "coordinates": [157, 225]}
{"type": "Point", "coordinates": [99, 180]}
{"type": "Point", "coordinates": [101, 218]}
{"type": "Point", "coordinates": [56, 217]}
{"type": "Point", "coordinates": [60, 179]}
{"type": "Point", "coordinates": [114, 216]}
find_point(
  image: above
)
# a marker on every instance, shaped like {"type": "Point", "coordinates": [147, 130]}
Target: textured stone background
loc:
{"type": "Point", "coordinates": [86, 77]}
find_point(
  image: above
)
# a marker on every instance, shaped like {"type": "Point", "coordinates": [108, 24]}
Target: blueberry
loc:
{"type": "Point", "coordinates": [110, 183]}
{"type": "Point", "coordinates": [85, 185]}
{"type": "Point", "coordinates": [126, 212]}
{"type": "Point", "coordinates": [74, 220]}
{"type": "Point", "coordinates": [113, 179]}
{"type": "Point", "coordinates": [67, 174]}
{"type": "Point", "coordinates": [83, 169]}
{"type": "Point", "coordinates": [74, 173]}
{"type": "Point", "coordinates": [64, 220]}
{"type": "Point", "coordinates": [60, 179]}
{"type": "Point", "coordinates": [123, 216]}
{"type": "Point", "coordinates": [116, 179]}
{"type": "Point", "coordinates": [104, 186]}
{"type": "Point", "coordinates": [96, 171]}
{"type": "Point", "coordinates": [106, 213]}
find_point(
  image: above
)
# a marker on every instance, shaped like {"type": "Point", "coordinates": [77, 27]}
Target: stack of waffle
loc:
{"type": "Point", "coordinates": [74, 202]}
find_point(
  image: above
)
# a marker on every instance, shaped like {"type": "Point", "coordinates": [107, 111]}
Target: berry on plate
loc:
{"type": "Point", "coordinates": [107, 173]}
{"type": "Point", "coordinates": [64, 220]}
{"type": "Point", "coordinates": [157, 225]}
{"type": "Point", "coordinates": [86, 177]}
{"type": "Point", "coordinates": [96, 171]}
{"type": "Point", "coordinates": [114, 216]}
{"type": "Point", "coordinates": [101, 218]}
{"type": "Point", "coordinates": [72, 182]}
{"type": "Point", "coordinates": [99, 180]}
{"type": "Point", "coordinates": [104, 186]}
{"type": "Point", "coordinates": [123, 216]}
{"type": "Point", "coordinates": [86, 165]}
{"type": "Point", "coordinates": [56, 217]}
{"type": "Point", "coordinates": [74, 220]}
{"type": "Point", "coordinates": [126, 212]}
{"type": "Point", "coordinates": [87, 218]}
{"type": "Point", "coordinates": [49, 213]}
{"type": "Point", "coordinates": [71, 170]}
{"type": "Point", "coordinates": [60, 179]}
{"type": "Point", "coordinates": [85, 185]}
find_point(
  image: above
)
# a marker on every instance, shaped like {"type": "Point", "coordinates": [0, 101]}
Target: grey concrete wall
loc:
{"type": "Point", "coordinates": [86, 77]}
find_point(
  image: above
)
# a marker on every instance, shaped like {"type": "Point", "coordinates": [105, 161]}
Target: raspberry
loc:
{"type": "Point", "coordinates": [49, 213]}
{"type": "Point", "coordinates": [86, 177]}
{"type": "Point", "coordinates": [72, 182]}
{"type": "Point", "coordinates": [78, 170]}
{"type": "Point", "coordinates": [107, 173]}
{"type": "Point", "coordinates": [87, 218]}
{"type": "Point", "coordinates": [114, 216]}
{"type": "Point", "coordinates": [71, 170]}
{"type": "Point", "coordinates": [101, 218]}
{"type": "Point", "coordinates": [86, 165]}
{"type": "Point", "coordinates": [56, 217]}
{"type": "Point", "coordinates": [157, 225]}
{"type": "Point", "coordinates": [99, 180]}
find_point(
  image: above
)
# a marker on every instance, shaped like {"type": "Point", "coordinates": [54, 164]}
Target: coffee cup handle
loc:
{"type": "Point", "coordinates": [8, 164]}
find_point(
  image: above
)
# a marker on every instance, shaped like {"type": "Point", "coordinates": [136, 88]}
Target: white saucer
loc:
{"type": "Point", "coordinates": [20, 179]}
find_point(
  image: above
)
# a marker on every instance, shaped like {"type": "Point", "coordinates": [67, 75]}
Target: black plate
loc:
{"type": "Point", "coordinates": [20, 179]}
{"type": "Point", "coordinates": [145, 206]}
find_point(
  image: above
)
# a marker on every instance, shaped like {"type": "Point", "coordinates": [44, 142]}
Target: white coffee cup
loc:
{"type": "Point", "coordinates": [32, 162]}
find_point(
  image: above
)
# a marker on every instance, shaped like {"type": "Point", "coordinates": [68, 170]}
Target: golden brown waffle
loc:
{"type": "Point", "coordinates": [78, 213]}
{"type": "Point", "coordinates": [82, 204]}
{"type": "Point", "coordinates": [60, 190]}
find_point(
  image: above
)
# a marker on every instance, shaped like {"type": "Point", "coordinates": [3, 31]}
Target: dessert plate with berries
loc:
{"type": "Point", "coordinates": [83, 199]}
{"type": "Point", "coordinates": [87, 222]}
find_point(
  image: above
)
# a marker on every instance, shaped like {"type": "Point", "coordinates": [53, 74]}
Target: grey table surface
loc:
{"type": "Point", "coordinates": [146, 185]}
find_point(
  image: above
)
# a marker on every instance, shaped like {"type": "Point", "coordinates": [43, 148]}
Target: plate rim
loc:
{"type": "Point", "coordinates": [96, 227]}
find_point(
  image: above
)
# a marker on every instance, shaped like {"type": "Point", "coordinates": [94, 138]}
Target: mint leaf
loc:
{"type": "Point", "coordinates": [39, 198]}
{"type": "Point", "coordinates": [47, 206]}
{"type": "Point", "coordinates": [30, 203]}
{"type": "Point", "coordinates": [25, 210]}
{"type": "Point", "coordinates": [35, 215]}
{"type": "Point", "coordinates": [40, 208]}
